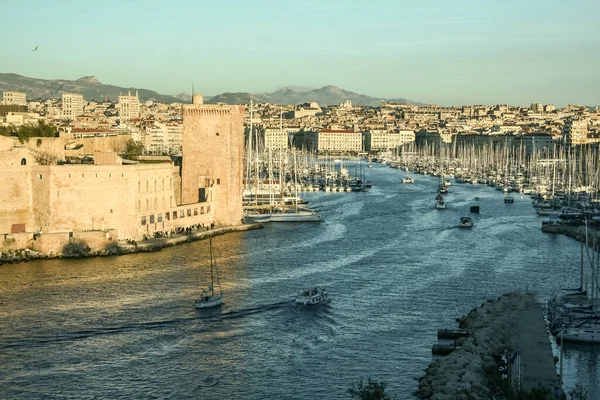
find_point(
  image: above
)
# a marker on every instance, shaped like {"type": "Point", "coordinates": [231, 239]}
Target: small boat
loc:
{"type": "Point", "coordinates": [465, 222]}
{"type": "Point", "coordinates": [443, 189]}
{"type": "Point", "coordinates": [440, 204]}
{"type": "Point", "coordinates": [509, 200]}
{"type": "Point", "coordinates": [209, 298]}
{"type": "Point", "coordinates": [408, 180]}
{"type": "Point", "coordinates": [312, 296]}
{"type": "Point", "coordinates": [370, 165]}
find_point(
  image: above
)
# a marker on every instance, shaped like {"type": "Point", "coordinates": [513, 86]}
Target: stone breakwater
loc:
{"type": "Point", "coordinates": [471, 371]}
{"type": "Point", "coordinates": [156, 244]}
{"type": "Point", "coordinates": [576, 232]}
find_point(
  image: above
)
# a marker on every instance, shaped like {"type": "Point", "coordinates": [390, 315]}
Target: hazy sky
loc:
{"type": "Point", "coordinates": [435, 51]}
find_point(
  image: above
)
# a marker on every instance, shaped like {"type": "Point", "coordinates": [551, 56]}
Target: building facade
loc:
{"type": "Point", "coordinates": [129, 106]}
{"type": "Point", "coordinates": [375, 140]}
{"type": "Point", "coordinates": [72, 105]}
{"type": "Point", "coordinates": [575, 132]}
{"type": "Point", "coordinates": [339, 141]}
{"type": "Point", "coordinates": [16, 98]}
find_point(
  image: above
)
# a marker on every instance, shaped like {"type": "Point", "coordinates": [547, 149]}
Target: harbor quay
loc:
{"type": "Point", "coordinates": [502, 349]}
{"type": "Point", "coordinates": [127, 247]}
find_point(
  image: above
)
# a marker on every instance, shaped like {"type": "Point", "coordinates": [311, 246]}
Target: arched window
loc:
{"type": "Point", "coordinates": [23, 161]}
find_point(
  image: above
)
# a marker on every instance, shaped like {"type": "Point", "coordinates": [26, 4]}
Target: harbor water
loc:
{"type": "Point", "coordinates": [396, 269]}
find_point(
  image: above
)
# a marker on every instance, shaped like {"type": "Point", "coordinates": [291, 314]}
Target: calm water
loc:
{"type": "Point", "coordinates": [396, 268]}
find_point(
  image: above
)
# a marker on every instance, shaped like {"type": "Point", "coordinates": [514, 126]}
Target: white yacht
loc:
{"type": "Point", "coordinates": [408, 180]}
{"type": "Point", "coordinates": [292, 215]}
{"type": "Point", "coordinates": [465, 222]}
{"type": "Point", "coordinates": [311, 296]}
{"type": "Point", "coordinates": [582, 336]}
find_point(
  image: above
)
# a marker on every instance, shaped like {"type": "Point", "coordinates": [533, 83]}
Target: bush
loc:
{"type": "Point", "coordinates": [371, 390]}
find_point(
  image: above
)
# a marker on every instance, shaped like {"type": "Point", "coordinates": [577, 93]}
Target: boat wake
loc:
{"type": "Point", "coordinates": [214, 316]}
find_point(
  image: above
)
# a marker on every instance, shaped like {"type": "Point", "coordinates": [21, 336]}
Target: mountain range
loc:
{"type": "Point", "coordinates": [92, 89]}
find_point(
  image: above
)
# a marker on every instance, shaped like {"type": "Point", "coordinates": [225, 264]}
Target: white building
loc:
{"type": "Point", "coordinates": [384, 140]}
{"type": "Point", "coordinates": [72, 105]}
{"type": "Point", "coordinates": [575, 131]}
{"type": "Point", "coordinates": [18, 98]}
{"type": "Point", "coordinates": [129, 106]}
{"type": "Point", "coordinates": [163, 138]}
{"type": "Point", "coordinates": [279, 139]}
{"type": "Point", "coordinates": [339, 141]}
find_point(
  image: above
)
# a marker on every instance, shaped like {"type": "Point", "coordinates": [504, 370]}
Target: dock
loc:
{"type": "Point", "coordinates": [536, 359]}
{"type": "Point", "coordinates": [505, 334]}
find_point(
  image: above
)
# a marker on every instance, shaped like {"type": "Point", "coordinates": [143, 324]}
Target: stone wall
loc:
{"type": "Point", "coordinates": [16, 241]}
{"type": "Point", "coordinates": [213, 147]}
{"type": "Point", "coordinates": [15, 198]}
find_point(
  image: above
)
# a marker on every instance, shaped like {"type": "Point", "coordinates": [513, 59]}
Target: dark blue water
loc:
{"type": "Point", "coordinates": [396, 269]}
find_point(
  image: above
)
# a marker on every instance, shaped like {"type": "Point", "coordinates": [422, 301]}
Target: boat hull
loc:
{"type": "Point", "coordinates": [212, 301]}
{"type": "Point", "coordinates": [295, 217]}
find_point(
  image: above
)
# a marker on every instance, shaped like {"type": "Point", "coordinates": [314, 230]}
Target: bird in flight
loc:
{"type": "Point", "coordinates": [35, 48]}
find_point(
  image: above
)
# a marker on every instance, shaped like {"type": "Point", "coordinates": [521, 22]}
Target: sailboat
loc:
{"type": "Point", "coordinates": [408, 179]}
{"type": "Point", "coordinates": [209, 297]}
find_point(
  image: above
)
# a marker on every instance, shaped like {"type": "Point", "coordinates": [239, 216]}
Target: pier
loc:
{"type": "Point", "coordinates": [506, 350]}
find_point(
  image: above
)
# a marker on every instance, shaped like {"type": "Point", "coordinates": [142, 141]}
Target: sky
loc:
{"type": "Point", "coordinates": [446, 52]}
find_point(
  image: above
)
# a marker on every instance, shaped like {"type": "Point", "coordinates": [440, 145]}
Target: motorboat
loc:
{"type": "Point", "coordinates": [465, 222]}
{"type": "Point", "coordinates": [370, 165]}
{"type": "Point", "coordinates": [408, 180]}
{"type": "Point", "coordinates": [509, 200]}
{"type": "Point", "coordinates": [440, 204]}
{"type": "Point", "coordinates": [311, 296]}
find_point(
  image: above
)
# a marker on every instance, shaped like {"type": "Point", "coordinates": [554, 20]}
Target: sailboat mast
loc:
{"type": "Point", "coordinates": [212, 277]}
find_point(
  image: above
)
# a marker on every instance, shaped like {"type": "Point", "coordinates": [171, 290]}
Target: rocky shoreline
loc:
{"type": "Point", "coordinates": [118, 249]}
{"type": "Point", "coordinates": [471, 371]}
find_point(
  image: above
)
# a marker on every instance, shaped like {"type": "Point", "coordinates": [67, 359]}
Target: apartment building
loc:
{"type": "Point", "coordinates": [72, 105]}
{"type": "Point", "coordinates": [384, 140]}
{"type": "Point", "coordinates": [339, 141]}
{"type": "Point", "coordinates": [14, 98]}
{"type": "Point", "coordinates": [575, 131]}
{"type": "Point", "coordinates": [129, 106]}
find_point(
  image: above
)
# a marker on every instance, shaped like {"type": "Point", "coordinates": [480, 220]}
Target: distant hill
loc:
{"type": "Point", "coordinates": [88, 86]}
{"type": "Point", "coordinates": [92, 89]}
{"type": "Point", "coordinates": [327, 95]}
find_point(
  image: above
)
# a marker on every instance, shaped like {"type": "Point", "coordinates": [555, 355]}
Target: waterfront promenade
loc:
{"type": "Point", "coordinates": [122, 248]}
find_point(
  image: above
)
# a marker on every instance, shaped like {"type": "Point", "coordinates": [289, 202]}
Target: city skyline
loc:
{"type": "Point", "coordinates": [431, 52]}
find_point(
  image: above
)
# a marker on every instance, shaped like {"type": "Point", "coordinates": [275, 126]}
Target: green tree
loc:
{"type": "Point", "coordinates": [370, 390]}
{"type": "Point", "coordinates": [42, 129]}
{"type": "Point", "coordinates": [6, 130]}
{"type": "Point", "coordinates": [133, 149]}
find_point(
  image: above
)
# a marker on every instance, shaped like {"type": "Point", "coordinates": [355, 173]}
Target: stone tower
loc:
{"type": "Point", "coordinates": [213, 152]}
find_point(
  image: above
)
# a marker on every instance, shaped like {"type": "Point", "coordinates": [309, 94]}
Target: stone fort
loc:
{"type": "Point", "coordinates": [115, 199]}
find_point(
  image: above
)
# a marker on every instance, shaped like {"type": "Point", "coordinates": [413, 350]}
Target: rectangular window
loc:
{"type": "Point", "coordinates": [207, 209]}
{"type": "Point", "coordinates": [181, 214]}
{"type": "Point", "coordinates": [189, 212]}
{"type": "Point", "coordinates": [195, 211]}
{"type": "Point", "coordinates": [174, 214]}
{"type": "Point", "coordinates": [168, 216]}
{"type": "Point", "coordinates": [202, 210]}
{"type": "Point", "coordinates": [144, 220]}
{"type": "Point", "coordinates": [152, 219]}
{"type": "Point", "coordinates": [218, 181]}
{"type": "Point", "coordinates": [159, 217]}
